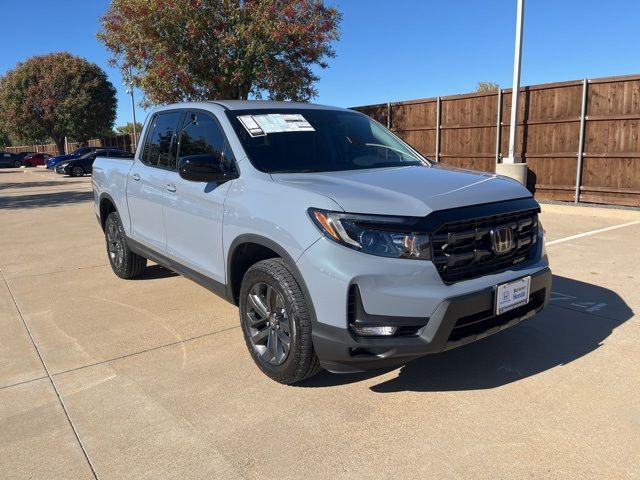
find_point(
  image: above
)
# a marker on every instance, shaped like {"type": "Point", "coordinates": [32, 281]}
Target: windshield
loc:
{"type": "Point", "coordinates": [90, 154]}
{"type": "Point", "coordinates": [308, 140]}
{"type": "Point", "coordinates": [83, 151]}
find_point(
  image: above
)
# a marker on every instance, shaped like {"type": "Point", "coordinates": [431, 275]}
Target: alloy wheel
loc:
{"type": "Point", "coordinates": [268, 324]}
{"type": "Point", "coordinates": [115, 245]}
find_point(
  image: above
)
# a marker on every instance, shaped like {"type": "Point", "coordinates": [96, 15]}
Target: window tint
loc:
{"type": "Point", "coordinates": [337, 140]}
{"type": "Point", "coordinates": [201, 135]}
{"type": "Point", "coordinates": [157, 150]}
{"type": "Point", "coordinates": [228, 159]}
{"type": "Point", "coordinates": [144, 157]}
{"type": "Point", "coordinates": [94, 154]}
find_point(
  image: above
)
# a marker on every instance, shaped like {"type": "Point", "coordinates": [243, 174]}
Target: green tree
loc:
{"type": "Point", "coordinates": [5, 140]}
{"type": "Point", "coordinates": [56, 96]}
{"type": "Point", "coordinates": [487, 87]}
{"type": "Point", "coordinates": [128, 128]}
{"type": "Point", "coordinates": [204, 49]}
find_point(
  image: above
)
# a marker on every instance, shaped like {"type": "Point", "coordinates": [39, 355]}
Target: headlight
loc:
{"type": "Point", "coordinates": [374, 234]}
{"type": "Point", "coordinates": [541, 234]}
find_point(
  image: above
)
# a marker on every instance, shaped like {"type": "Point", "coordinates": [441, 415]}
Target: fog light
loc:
{"type": "Point", "coordinates": [368, 331]}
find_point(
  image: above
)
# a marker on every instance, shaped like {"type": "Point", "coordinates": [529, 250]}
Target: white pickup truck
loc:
{"type": "Point", "coordinates": [343, 247]}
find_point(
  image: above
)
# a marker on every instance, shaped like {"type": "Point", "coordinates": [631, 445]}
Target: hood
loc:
{"type": "Point", "coordinates": [409, 191]}
{"type": "Point", "coordinates": [73, 160]}
{"type": "Point", "coordinates": [60, 158]}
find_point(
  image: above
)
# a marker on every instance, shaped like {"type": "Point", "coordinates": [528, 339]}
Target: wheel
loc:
{"type": "Point", "coordinates": [77, 171]}
{"type": "Point", "coordinates": [124, 262]}
{"type": "Point", "coordinates": [276, 323]}
{"type": "Point", "coordinates": [17, 164]}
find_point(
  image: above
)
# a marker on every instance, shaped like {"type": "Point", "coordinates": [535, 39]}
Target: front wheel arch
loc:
{"type": "Point", "coordinates": [233, 293]}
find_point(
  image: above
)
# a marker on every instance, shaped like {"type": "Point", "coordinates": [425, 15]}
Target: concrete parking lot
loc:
{"type": "Point", "coordinates": [150, 378]}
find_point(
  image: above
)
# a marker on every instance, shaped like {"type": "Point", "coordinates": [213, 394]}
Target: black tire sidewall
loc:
{"type": "Point", "coordinates": [260, 273]}
{"type": "Point", "coordinates": [124, 270]}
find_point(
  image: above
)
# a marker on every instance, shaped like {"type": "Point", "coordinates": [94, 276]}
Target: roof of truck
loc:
{"type": "Point", "coordinates": [266, 104]}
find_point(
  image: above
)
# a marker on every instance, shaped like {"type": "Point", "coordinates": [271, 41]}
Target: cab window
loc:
{"type": "Point", "coordinates": [201, 136]}
{"type": "Point", "coordinates": [158, 144]}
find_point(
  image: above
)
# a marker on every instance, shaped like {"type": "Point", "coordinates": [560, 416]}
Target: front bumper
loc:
{"type": "Point", "coordinates": [404, 293]}
{"type": "Point", "coordinates": [457, 321]}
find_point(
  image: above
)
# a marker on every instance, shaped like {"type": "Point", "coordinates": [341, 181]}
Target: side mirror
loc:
{"type": "Point", "coordinates": [203, 168]}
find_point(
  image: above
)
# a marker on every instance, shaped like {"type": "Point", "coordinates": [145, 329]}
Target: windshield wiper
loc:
{"type": "Point", "coordinates": [387, 147]}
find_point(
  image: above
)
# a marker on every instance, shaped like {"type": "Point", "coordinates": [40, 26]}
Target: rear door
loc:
{"type": "Point", "coordinates": [193, 211]}
{"type": "Point", "coordinates": [146, 182]}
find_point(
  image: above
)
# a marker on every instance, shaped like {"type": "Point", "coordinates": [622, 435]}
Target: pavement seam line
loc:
{"type": "Point", "coordinates": [147, 350]}
{"type": "Point", "coordinates": [592, 232]}
{"type": "Point", "coordinates": [22, 382]}
{"type": "Point", "coordinates": [53, 383]}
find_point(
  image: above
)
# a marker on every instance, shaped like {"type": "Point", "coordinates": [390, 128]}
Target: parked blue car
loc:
{"type": "Point", "coordinates": [53, 161]}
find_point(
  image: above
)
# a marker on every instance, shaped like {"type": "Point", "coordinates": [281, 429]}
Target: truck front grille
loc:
{"type": "Point", "coordinates": [463, 249]}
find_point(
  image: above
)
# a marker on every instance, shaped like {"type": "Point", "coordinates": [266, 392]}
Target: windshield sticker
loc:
{"type": "Point", "coordinates": [258, 125]}
{"type": "Point", "coordinates": [252, 127]}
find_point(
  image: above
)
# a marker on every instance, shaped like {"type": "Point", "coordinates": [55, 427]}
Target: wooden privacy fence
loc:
{"type": "Point", "coordinates": [471, 131]}
{"type": "Point", "coordinates": [124, 142]}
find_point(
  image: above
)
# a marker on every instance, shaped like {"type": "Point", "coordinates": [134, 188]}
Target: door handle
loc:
{"type": "Point", "coordinates": [135, 176]}
{"type": "Point", "coordinates": [170, 187]}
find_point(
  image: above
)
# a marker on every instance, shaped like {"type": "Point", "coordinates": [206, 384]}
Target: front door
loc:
{"type": "Point", "coordinates": [146, 185]}
{"type": "Point", "coordinates": [193, 212]}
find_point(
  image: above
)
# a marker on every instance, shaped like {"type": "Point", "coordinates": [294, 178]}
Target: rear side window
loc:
{"type": "Point", "coordinates": [157, 150]}
{"type": "Point", "coordinates": [201, 135]}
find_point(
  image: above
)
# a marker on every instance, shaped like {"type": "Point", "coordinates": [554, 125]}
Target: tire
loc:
{"type": "Point", "coordinates": [124, 263]}
{"type": "Point", "coordinates": [76, 171]}
{"type": "Point", "coordinates": [270, 288]}
{"type": "Point", "coordinates": [17, 164]}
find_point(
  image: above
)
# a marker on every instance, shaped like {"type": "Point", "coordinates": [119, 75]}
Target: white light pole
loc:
{"type": "Point", "coordinates": [129, 84]}
{"type": "Point", "coordinates": [517, 61]}
{"type": "Point", "coordinates": [511, 165]}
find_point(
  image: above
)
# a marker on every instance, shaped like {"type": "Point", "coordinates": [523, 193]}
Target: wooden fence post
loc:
{"type": "Point", "coordinates": [583, 121]}
{"type": "Point", "coordinates": [438, 114]}
{"type": "Point", "coordinates": [499, 126]}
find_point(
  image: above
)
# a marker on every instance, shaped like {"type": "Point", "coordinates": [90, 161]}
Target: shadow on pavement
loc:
{"type": "Point", "coordinates": [580, 318]}
{"type": "Point", "coordinates": [44, 199]}
{"type": "Point", "coordinates": [153, 272]}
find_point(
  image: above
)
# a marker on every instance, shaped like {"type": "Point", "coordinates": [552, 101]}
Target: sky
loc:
{"type": "Point", "coordinates": [390, 50]}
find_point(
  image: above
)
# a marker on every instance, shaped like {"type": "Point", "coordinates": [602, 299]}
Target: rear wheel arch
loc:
{"type": "Point", "coordinates": [107, 206]}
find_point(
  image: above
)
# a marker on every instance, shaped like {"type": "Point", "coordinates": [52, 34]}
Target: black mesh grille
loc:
{"type": "Point", "coordinates": [463, 249]}
{"type": "Point", "coordinates": [483, 321]}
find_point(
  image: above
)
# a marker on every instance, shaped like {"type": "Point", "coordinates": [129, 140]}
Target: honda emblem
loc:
{"type": "Point", "coordinates": [502, 240]}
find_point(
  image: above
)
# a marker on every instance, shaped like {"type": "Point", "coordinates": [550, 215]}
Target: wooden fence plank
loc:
{"type": "Point", "coordinates": [547, 135]}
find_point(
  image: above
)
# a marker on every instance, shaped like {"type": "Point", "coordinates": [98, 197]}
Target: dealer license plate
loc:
{"type": "Point", "coordinates": [512, 295]}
